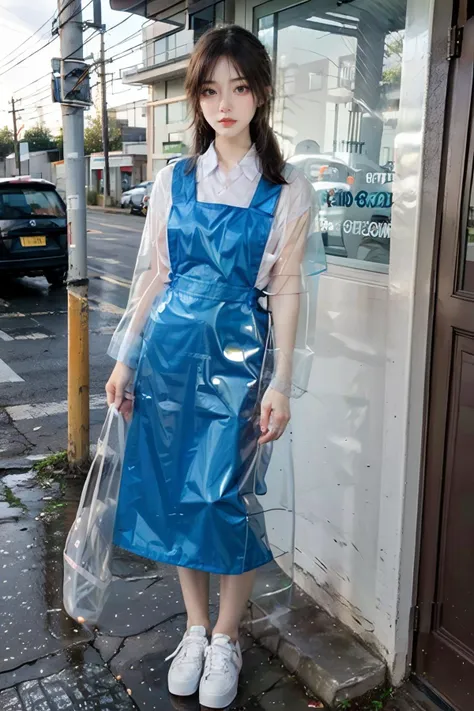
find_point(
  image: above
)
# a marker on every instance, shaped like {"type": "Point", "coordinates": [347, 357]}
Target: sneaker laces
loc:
{"type": "Point", "coordinates": [218, 657]}
{"type": "Point", "coordinates": [192, 647]}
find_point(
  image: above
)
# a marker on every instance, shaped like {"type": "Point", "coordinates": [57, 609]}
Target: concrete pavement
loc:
{"type": "Point", "coordinates": [47, 661]}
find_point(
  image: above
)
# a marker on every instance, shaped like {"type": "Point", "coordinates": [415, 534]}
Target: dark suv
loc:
{"type": "Point", "coordinates": [33, 229]}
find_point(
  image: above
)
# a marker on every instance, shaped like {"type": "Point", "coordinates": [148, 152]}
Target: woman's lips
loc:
{"type": "Point", "coordinates": [227, 122]}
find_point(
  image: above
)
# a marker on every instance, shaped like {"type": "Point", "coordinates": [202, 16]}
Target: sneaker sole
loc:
{"type": "Point", "coordinates": [212, 701]}
{"type": "Point", "coordinates": [182, 689]}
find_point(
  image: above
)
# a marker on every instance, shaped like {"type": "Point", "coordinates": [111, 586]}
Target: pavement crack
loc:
{"type": "Point", "coordinates": [139, 634]}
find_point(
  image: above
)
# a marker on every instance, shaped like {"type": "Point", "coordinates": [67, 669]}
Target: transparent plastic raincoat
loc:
{"type": "Point", "coordinates": [222, 307]}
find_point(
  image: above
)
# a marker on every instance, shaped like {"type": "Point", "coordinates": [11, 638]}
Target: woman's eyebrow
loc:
{"type": "Point", "coordinates": [209, 81]}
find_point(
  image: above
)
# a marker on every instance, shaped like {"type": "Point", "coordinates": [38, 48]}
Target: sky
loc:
{"type": "Point", "coordinates": [19, 20]}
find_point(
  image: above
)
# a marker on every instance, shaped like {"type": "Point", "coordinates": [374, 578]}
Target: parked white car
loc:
{"type": "Point", "coordinates": [132, 198]}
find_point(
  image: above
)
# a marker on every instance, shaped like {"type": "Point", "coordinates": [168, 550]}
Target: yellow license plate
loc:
{"type": "Point", "coordinates": [38, 241]}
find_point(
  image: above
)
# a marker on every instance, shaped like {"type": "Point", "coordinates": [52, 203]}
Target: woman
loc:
{"type": "Point", "coordinates": [223, 228]}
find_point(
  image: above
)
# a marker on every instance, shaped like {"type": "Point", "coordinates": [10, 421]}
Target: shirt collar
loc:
{"type": "Point", "coordinates": [249, 165]}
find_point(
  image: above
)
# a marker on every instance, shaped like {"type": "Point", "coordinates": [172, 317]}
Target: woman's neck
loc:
{"type": "Point", "coordinates": [231, 151]}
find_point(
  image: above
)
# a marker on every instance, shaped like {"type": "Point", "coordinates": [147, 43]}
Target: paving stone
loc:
{"type": "Point", "coordinates": [107, 646]}
{"type": "Point", "coordinates": [142, 667]}
{"type": "Point", "coordinates": [288, 694]}
{"type": "Point", "coordinates": [259, 674]}
{"type": "Point", "coordinates": [10, 701]}
{"type": "Point", "coordinates": [89, 687]}
{"type": "Point", "coordinates": [135, 606]}
{"type": "Point", "coordinates": [34, 623]}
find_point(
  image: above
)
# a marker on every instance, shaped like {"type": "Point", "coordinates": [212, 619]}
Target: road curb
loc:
{"type": "Point", "coordinates": [111, 210]}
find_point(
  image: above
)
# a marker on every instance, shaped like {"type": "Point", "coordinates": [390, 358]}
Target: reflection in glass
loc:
{"type": "Point", "coordinates": [468, 268]}
{"type": "Point", "coordinates": [337, 78]}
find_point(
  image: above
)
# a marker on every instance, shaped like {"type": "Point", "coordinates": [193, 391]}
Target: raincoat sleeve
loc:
{"type": "Point", "coordinates": [150, 275]}
{"type": "Point", "coordinates": [293, 288]}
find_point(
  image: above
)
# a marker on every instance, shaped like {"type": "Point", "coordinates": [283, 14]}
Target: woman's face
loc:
{"type": "Point", "coordinates": [226, 101]}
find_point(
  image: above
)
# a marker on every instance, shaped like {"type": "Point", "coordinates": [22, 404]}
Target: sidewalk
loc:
{"type": "Point", "coordinates": [113, 210]}
{"type": "Point", "coordinates": [49, 662]}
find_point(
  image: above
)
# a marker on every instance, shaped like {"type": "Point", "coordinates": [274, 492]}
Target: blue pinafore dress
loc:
{"type": "Point", "coordinates": [193, 471]}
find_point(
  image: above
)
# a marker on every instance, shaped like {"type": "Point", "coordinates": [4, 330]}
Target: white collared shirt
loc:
{"type": "Point", "coordinates": [237, 189]}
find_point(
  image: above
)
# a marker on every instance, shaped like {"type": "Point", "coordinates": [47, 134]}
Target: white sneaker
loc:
{"type": "Point", "coordinates": [220, 678]}
{"type": "Point", "coordinates": [188, 659]}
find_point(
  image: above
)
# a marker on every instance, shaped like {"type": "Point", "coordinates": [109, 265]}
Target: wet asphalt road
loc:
{"type": "Point", "coordinates": [33, 339]}
{"type": "Point", "coordinates": [47, 661]}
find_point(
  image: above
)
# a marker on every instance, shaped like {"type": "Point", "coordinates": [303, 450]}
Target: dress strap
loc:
{"type": "Point", "coordinates": [184, 182]}
{"type": "Point", "coordinates": [266, 196]}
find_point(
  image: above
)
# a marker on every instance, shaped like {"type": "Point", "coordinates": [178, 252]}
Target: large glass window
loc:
{"type": "Point", "coordinates": [209, 17]}
{"type": "Point", "coordinates": [159, 128]}
{"type": "Point", "coordinates": [177, 112]}
{"type": "Point", "coordinates": [337, 93]}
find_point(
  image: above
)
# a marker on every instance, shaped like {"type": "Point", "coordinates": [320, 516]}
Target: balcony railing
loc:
{"type": "Point", "coordinates": [172, 47]}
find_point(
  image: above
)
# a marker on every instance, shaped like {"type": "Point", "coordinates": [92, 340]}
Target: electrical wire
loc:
{"type": "Point", "coordinates": [35, 81]}
{"type": "Point", "coordinates": [45, 93]}
{"type": "Point", "coordinates": [50, 19]}
{"type": "Point", "coordinates": [29, 56]}
{"type": "Point", "coordinates": [94, 35]}
{"type": "Point", "coordinates": [18, 57]}
{"type": "Point", "coordinates": [65, 8]}
{"type": "Point", "coordinates": [78, 12]}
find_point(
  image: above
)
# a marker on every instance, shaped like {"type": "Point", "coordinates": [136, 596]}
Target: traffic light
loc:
{"type": "Point", "coordinates": [70, 82]}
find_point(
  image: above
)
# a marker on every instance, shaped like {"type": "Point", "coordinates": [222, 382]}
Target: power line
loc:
{"type": "Point", "coordinates": [35, 81]}
{"type": "Point", "coordinates": [78, 12]}
{"type": "Point", "coordinates": [63, 9]}
{"type": "Point", "coordinates": [29, 56]}
{"type": "Point", "coordinates": [15, 59]}
{"type": "Point", "coordinates": [95, 34]}
{"type": "Point", "coordinates": [32, 54]}
{"type": "Point", "coordinates": [91, 37]}
{"type": "Point", "coordinates": [45, 93]}
{"type": "Point", "coordinates": [28, 38]}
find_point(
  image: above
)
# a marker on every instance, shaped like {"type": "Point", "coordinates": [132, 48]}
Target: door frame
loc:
{"type": "Point", "coordinates": [432, 480]}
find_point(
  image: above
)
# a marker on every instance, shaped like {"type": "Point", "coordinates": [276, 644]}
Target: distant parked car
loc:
{"type": "Point", "coordinates": [146, 196]}
{"type": "Point", "coordinates": [146, 200]}
{"type": "Point", "coordinates": [125, 198]}
{"type": "Point", "coordinates": [136, 197]}
{"type": "Point", "coordinates": [33, 229]}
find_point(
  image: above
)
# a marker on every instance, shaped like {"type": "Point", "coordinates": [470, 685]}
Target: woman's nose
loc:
{"type": "Point", "coordinates": [225, 105]}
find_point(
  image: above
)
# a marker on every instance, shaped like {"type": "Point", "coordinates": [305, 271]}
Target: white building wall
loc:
{"type": "Point", "coordinates": [357, 501]}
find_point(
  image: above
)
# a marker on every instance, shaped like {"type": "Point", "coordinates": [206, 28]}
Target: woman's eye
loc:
{"type": "Point", "coordinates": [207, 92]}
{"type": "Point", "coordinates": [243, 89]}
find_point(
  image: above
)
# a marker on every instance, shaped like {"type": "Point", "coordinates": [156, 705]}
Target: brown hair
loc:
{"type": "Point", "coordinates": [250, 57]}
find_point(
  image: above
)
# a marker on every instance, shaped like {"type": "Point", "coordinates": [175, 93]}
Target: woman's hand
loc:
{"type": "Point", "coordinates": [275, 415]}
{"type": "Point", "coordinates": [116, 389]}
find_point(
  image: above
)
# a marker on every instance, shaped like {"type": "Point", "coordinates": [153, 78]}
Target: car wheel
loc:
{"type": "Point", "coordinates": [56, 277]}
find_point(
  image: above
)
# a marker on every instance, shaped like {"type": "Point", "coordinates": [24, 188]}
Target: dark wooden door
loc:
{"type": "Point", "coordinates": [444, 646]}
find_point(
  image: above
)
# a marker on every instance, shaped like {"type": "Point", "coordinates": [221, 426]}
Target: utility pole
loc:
{"type": "Point", "coordinates": [70, 32]}
{"type": "Point", "coordinates": [105, 118]}
{"type": "Point", "coordinates": [15, 138]}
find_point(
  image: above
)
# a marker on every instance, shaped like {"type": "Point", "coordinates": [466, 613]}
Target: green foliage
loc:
{"type": "Point", "coordinates": [51, 469]}
{"type": "Point", "coordinates": [93, 135]}
{"type": "Point", "coordinates": [39, 138]}
{"type": "Point", "coordinates": [12, 499]}
{"type": "Point", "coordinates": [59, 140]}
{"type": "Point", "coordinates": [6, 142]}
{"type": "Point", "coordinates": [92, 197]}
{"type": "Point", "coordinates": [394, 52]}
